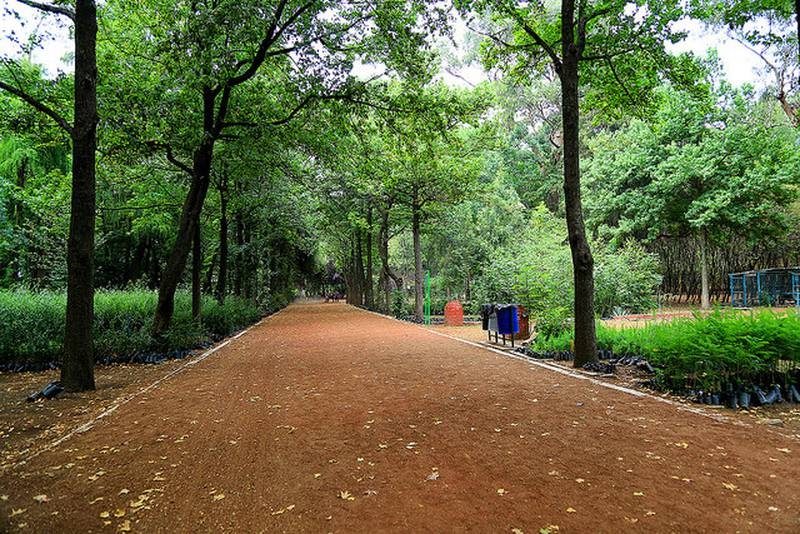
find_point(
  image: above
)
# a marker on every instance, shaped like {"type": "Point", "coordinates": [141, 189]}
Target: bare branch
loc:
{"type": "Point", "coordinates": [50, 8]}
{"type": "Point", "coordinates": [39, 106]}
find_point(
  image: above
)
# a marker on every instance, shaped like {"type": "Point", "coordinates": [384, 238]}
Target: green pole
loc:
{"type": "Point", "coordinates": [427, 297]}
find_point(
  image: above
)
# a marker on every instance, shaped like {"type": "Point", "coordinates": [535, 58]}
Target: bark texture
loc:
{"type": "Point", "coordinates": [418, 292]}
{"type": "Point", "coordinates": [77, 370]}
{"type": "Point", "coordinates": [582, 261]}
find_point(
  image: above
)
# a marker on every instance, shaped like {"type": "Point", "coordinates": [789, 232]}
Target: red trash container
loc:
{"type": "Point", "coordinates": [453, 314]}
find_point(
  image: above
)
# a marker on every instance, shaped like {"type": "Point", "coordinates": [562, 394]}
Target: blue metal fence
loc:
{"type": "Point", "coordinates": [767, 287]}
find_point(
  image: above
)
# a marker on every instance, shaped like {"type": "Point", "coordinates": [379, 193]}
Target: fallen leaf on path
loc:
{"type": "Point", "coordinates": [3, 497]}
{"type": "Point", "coordinates": [17, 511]}
{"type": "Point", "coordinates": [580, 480]}
{"type": "Point", "coordinates": [119, 512]}
{"type": "Point", "coordinates": [571, 510]}
{"type": "Point", "coordinates": [638, 494]}
{"type": "Point", "coordinates": [382, 445]}
{"type": "Point", "coordinates": [649, 513]}
{"type": "Point", "coordinates": [125, 526]}
{"type": "Point", "coordinates": [433, 476]}
{"type": "Point", "coordinates": [105, 515]}
{"type": "Point", "coordinates": [632, 519]}
{"type": "Point", "coordinates": [41, 498]}
{"type": "Point", "coordinates": [317, 475]}
{"type": "Point", "coordinates": [346, 495]}
{"type": "Point", "coordinates": [729, 486]}
{"type": "Point", "coordinates": [787, 451]}
{"type": "Point", "coordinates": [773, 508]}
{"type": "Point", "coordinates": [124, 491]}
{"type": "Point", "coordinates": [219, 496]}
{"type": "Point", "coordinates": [549, 529]}
{"type": "Point", "coordinates": [501, 491]}
{"type": "Point", "coordinates": [517, 531]}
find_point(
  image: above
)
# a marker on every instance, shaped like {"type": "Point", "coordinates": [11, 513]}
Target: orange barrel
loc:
{"type": "Point", "coordinates": [453, 314]}
{"type": "Point", "coordinates": [524, 324]}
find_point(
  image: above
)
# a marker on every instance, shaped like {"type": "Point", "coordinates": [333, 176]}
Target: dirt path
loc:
{"type": "Point", "coordinates": [326, 418]}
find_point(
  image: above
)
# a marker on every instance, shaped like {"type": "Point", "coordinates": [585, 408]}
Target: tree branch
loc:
{"type": "Point", "coordinates": [273, 35]}
{"type": "Point", "coordinates": [533, 34]}
{"type": "Point", "coordinates": [50, 8]}
{"type": "Point", "coordinates": [39, 106]}
{"type": "Point", "coordinates": [171, 156]}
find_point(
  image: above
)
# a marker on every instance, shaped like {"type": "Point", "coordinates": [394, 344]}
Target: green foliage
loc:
{"type": "Point", "coordinates": [32, 329]}
{"type": "Point", "coordinates": [535, 271]}
{"type": "Point", "coordinates": [705, 352]}
{"type": "Point", "coordinates": [625, 280]}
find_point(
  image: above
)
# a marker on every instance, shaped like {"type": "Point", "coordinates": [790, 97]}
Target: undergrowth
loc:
{"type": "Point", "coordinates": [32, 324]}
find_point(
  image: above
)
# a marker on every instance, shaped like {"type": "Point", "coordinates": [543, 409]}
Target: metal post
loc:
{"type": "Point", "coordinates": [758, 289]}
{"type": "Point", "coordinates": [730, 281]}
{"type": "Point", "coordinates": [427, 309]}
{"type": "Point", "coordinates": [744, 290]}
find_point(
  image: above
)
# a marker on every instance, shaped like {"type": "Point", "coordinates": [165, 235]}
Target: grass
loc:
{"type": "Point", "coordinates": [706, 352]}
{"type": "Point", "coordinates": [32, 325]}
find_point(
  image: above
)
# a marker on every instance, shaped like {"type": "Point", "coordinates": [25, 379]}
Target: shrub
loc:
{"type": "Point", "coordinates": [707, 351]}
{"type": "Point", "coordinates": [32, 329]}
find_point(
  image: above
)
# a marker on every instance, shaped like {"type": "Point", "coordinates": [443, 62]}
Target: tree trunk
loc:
{"type": "Point", "coordinates": [415, 230]}
{"type": "Point", "coordinates": [369, 299]}
{"type": "Point", "coordinates": [208, 284]}
{"type": "Point", "coordinates": [582, 261]}
{"type": "Point", "coordinates": [239, 261]}
{"type": "Point", "coordinates": [190, 218]}
{"type": "Point", "coordinates": [197, 268]}
{"type": "Point", "coordinates": [77, 370]}
{"type": "Point", "coordinates": [223, 239]}
{"type": "Point", "coordinates": [358, 269]}
{"type": "Point", "coordinates": [705, 300]}
{"type": "Point", "coordinates": [190, 215]}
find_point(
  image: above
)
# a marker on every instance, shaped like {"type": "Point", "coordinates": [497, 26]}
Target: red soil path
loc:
{"type": "Point", "coordinates": [325, 418]}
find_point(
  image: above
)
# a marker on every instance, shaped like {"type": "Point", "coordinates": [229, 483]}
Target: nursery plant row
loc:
{"type": "Point", "coordinates": [726, 357]}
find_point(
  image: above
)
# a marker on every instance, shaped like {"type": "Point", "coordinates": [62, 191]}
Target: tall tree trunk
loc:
{"type": "Point", "coordinates": [369, 299]}
{"type": "Point", "coordinates": [249, 272]}
{"type": "Point", "coordinates": [705, 300]}
{"type": "Point", "coordinates": [208, 284]}
{"type": "Point", "coordinates": [415, 230]}
{"type": "Point", "coordinates": [223, 239]}
{"type": "Point", "coordinates": [358, 269]}
{"type": "Point", "coordinates": [582, 261]}
{"type": "Point", "coordinates": [77, 370]}
{"type": "Point", "coordinates": [190, 218]}
{"type": "Point", "coordinates": [239, 260]}
{"type": "Point", "coordinates": [197, 269]}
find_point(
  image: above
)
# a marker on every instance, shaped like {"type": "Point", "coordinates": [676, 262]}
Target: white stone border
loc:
{"type": "Point", "coordinates": [121, 402]}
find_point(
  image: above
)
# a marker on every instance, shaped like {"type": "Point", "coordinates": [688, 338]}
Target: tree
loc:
{"type": "Point", "coordinates": [618, 43]}
{"type": "Point", "coordinates": [766, 29]}
{"type": "Point", "coordinates": [435, 157]}
{"type": "Point", "coordinates": [77, 370]}
{"type": "Point", "coordinates": [292, 54]}
{"type": "Point", "coordinates": [696, 169]}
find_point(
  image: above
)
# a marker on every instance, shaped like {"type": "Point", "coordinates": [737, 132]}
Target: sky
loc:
{"type": "Point", "coordinates": [740, 64]}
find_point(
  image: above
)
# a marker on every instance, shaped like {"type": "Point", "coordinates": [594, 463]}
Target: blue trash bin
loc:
{"type": "Point", "coordinates": [507, 320]}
